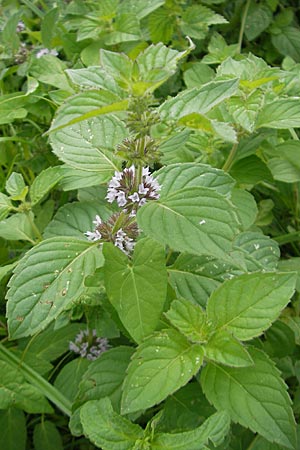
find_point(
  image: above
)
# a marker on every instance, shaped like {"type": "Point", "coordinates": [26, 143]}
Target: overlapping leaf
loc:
{"type": "Point", "coordinates": [47, 280]}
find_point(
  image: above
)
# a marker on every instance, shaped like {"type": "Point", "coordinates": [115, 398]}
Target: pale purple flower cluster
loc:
{"type": "Point", "coordinates": [20, 26]}
{"type": "Point", "coordinates": [45, 51]}
{"type": "Point", "coordinates": [95, 235]}
{"type": "Point", "coordinates": [124, 242]}
{"type": "Point", "coordinates": [123, 188]}
{"type": "Point", "coordinates": [88, 345]}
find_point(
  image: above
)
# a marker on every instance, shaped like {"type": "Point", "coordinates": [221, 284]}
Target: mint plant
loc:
{"type": "Point", "coordinates": [150, 225]}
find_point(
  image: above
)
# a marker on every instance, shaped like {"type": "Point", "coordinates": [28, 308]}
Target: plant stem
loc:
{"type": "Point", "coordinates": [243, 23]}
{"type": "Point", "coordinates": [37, 380]}
{"type": "Point", "coordinates": [228, 163]}
{"type": "Point", "coordinates": [35, 228]}
{"type": "Point", "coordinates": [287, 238]}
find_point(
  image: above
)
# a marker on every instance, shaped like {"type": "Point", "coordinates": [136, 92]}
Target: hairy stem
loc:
{"type": "Point", "coordinates": [229, 161]}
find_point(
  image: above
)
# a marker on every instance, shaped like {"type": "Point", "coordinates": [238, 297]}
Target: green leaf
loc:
{"type": "Point", "coordinates": [86, 105]}
{"type": "Point", "coordinates": [5, 270]}
{"type": "Point", "coordinates": [245, 109]}
{"type": "Point", "coordinates": [137, 289]}
{"type": "Point", "coordinates": [184, 410]}
{"type": "Point", "coordinates": [126, 28]}
{"type": "Point", "coordinates": [51, 343]}
{"type": "Point", "coordinates": [282, 113]}
{"type": "Point", "coordinates": [245, 207]}
{"type": "Point", "coordinates": [50, 70]}
{"type": "Point", "coordinates": [197, 74]}
{"type": "Point", "coordinates": [94, 77]}
{"type": "Point", "coordinates": [74, 219]}
{"type": "Point", "coordinates": [258, 19]}
{"type": "Point", "coordinates": [189, 319]}
{"type": "Point", "coordinates": [13, 429]}
{"type": "Point", "coordinates": [89, 145]}
{"type": "Point", "coordinates": [45, 181]}
{"type": "Point", "coordinates": [260, 251]}
{"type": "Point", "coordinates": [214, 429]}
{"type": "Point", "coordinates": [5, 206]}
{"type": "Point", "coordinates": [254, 396]}
{"type": "Point", "coordinates": [107, 429]}
{"type": "Point", "coordinates": [199, 100]}
{"type": "Point", "coordinates": [248, 304]}
{"type": "Point", "coordinates": [195, 220]}
{"type": "Point", "coordinates": [179, 176]}
{"type": "Point", "coordinates": [16, 187]}
{"type": "Point", "coordinates": [68, 379]}
{"type": "Point", "coordinates": [47, 279]}
{"type": "Point", "coordinates": [163, 363]}
{"type": "Point", "coordinates": [222, 347]}
{"type": "Point", "coordinates": [14, 391]}
{"type": "Point", "coordinates": [285, 163]}
{"type": "Point", "coordinates": [18, 227]}
{"type": "Point", "coordinates": [11, 107]}
{"type": "Point", "coordinates": [105, 377]}
{"type": "Point", "coordinates": [142, 8]}
{"type": "Point", "coordinates": [47, 437]}
{"type": "Point", "coordinates": [250, 171]}
{"type": "Point", "coordinates": [161, 26]}
{"type": "Point", "coordinates": [48, 25]}
{"type": "Point", "coordinates": [287, 42]}
{"type": "Point", "coordinates": [190, 280]}
{"type": "Point", "coordinates": [196, 20]}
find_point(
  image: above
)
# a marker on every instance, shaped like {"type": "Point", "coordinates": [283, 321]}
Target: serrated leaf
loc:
{"type": "Point", "coordinates": [89, 145]}
{"type": "Point", "coordinates": [214, 429]}
{"type": "Point", "coordinates": [248, 304]}
{"type": "Point", "coordinates": [13, 429]}
{"type": "Point", "coordinates": [94, 77]}
{"type": "Point", "coordinates": [179, 176]}
{"type": "Point", "coordinates": [47, 437]}
{"type": "Point", "coordinates": [222, 347]}
{"type": "Point", "coordinates": [107, 429]}
{"type": "Point", "coordinates": [105, 377]}
{"type": "Point", "coordinates": [200, 100]}
{"type": "Point", "coordinates": [261, 252]}
{"type": "Point", "coordinates": [126, 27]}
{"type": "Point", "coordinates": [254, 396]}
{"type": "Point", "coordinates": [282, 113]}
{"type": "Point", "coordinates": [86, 105]}
{"type": "Point", "coordinates": [161, 26]}
{"type": "Point", "coordinates": [44, 182]}
{"type": "Point", "coordinates": [188, 280]}
{"type": "Point", "coordinates": [189, 319]}
{"type": "Point", "coordinates": [137, 289]}
{"type": "Point", "coordinates": [50, 70]}
{"type": "Point", "coordinates": [142, 8]}
{"type": "Point", "coordinates": [196, 20]}
{"type": "Point", "coordinates": [14, 391]}
{"type": "Point", "coordinates": [194, 220]}
{"type": "Point", "coordinates": [47, 279]}
{"type": "Point", "coordinates": [163, 363]}
{"type": "Point", "coordinates": [74, 219]}
{"type": "Point", "coordinates": [18, 227]}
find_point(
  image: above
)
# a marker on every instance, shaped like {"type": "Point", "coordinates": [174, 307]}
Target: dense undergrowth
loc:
{"type": "Point", "coordinates": [149, 232]}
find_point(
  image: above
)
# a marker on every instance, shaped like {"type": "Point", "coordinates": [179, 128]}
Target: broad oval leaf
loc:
{"type": "Point", "coordinates": [137, 289]}
{"type": "Point", "coordinates": [179, 176]}
{"type": "Point", "coordinates": [44, 182]}
{"type": "Point", "coordinates": [249, 303]}
{"type": "Point", "coordinates": [255, 396]}
{"type": "Point", "coordinates": [89, 145]}
{"type": "Point", "coordinates": [47, 437]}
{"type": "Point", "coordinates": [193, 220]}
{"type": "Point", "coordinates": [13, 429]}
{"type": "Point", "coordinates": [107, 429]}
{"type": "Point", "coordinates": [214, 429]}
{"type": "Point", "coordinates": [47, 279]}
{"type": "Point", "coordinates": [163, 363]}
